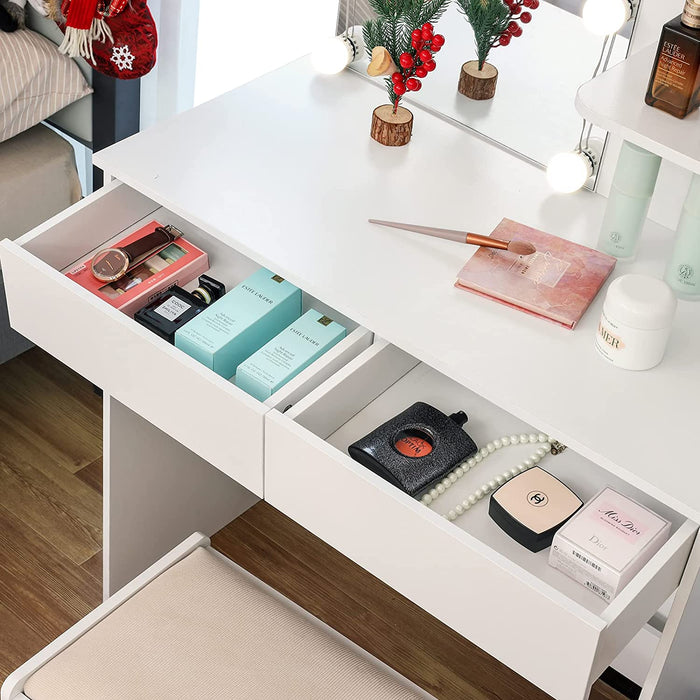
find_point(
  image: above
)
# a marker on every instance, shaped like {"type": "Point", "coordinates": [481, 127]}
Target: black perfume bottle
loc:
{"type": "Point", "coordinates": [174, 307]}
{"type": "Point", "coordinates": [415, 449]}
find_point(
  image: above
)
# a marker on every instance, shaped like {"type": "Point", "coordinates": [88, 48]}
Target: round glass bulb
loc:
{"type": "Point", "coordinates": [605, 17]}
{"type": "Point", "coordinates": [568, 172]}
{"type": "Point", "coordinates": [332, 55]}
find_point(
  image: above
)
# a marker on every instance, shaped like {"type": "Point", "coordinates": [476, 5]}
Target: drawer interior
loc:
{"type": "Point", "coordinates": [109, 217]}
{"type": "Point", "coordinates": [384, 381]}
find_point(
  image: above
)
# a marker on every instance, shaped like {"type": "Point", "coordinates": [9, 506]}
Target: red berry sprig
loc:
{"type": "Point", "coordinates": [517, 14]}
{"type": "Point", "coordinates": [418, 62]}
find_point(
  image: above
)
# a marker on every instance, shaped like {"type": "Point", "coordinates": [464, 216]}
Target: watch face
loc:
{"type": "Point", "coordinates": [110, 264]}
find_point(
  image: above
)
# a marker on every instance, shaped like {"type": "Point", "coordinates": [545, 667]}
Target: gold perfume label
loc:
{"type": "Point", "coordinates": [278, 279]}
{"type": "Point", "coordinates": [325, 321]}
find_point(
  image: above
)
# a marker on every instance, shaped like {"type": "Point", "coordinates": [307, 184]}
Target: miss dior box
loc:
{"type": "Point", "coordinates": [608, 542]}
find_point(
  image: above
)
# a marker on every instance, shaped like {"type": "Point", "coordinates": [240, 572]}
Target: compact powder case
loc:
{"type": "Point", "coordinates": [532, 506]}
{"type": "Point", "coordinates": [415, 449]}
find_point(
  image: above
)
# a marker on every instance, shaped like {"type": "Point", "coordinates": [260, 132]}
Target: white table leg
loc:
{"type": "Point", "coordinates": [156, 493]}
{"type": "Point", "coordinates": [675, 670]}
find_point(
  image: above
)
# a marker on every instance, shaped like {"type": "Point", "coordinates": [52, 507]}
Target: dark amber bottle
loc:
{"type": "Point", "coordinates": [675, 81]}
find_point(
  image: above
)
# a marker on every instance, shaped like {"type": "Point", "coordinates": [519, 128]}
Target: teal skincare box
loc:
{"type": "Point", "coordinates": [294, 349]}
{"type": "Point", "coordinates": [241, 322]}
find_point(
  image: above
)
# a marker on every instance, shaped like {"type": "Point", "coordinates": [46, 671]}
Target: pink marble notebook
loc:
{"type": "Point", "coordinates": [556, 283]}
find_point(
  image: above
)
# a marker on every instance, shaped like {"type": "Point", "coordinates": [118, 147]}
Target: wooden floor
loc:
{"type": "Point", "coordinates": [50, 541]}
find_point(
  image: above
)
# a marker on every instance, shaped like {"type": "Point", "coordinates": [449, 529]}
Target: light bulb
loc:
{"type": "Point", "coordinates": [334, 54]}
{"type": "Point", "coordinates": [568, 172]}
{"type": "Point", "coordinates": [605, 17]}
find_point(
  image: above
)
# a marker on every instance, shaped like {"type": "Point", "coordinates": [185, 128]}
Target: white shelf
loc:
{"type": "Point", "coordinates": [615, 101]}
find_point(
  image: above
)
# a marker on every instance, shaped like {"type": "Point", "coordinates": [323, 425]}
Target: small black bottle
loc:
{"type": "Point", "coordinates": [415, 449]}
{"type": "Point", "coordinates": [174, 307]}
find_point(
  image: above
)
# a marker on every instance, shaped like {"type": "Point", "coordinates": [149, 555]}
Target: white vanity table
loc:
{"type": "Point", "coordinates": [282, 173]}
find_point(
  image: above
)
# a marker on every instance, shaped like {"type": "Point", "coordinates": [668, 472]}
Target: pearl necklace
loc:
{"type": "Point", "coordinates": [545, 443]}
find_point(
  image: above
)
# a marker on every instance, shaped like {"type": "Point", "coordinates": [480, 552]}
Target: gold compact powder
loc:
{"type": "Point", "coordinates": [531, 507]}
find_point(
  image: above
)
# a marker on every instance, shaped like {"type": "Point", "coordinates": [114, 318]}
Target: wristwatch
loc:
{"type": "Point", "coordinates": [112, 263]}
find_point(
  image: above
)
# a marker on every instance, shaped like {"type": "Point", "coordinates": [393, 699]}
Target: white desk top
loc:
{"type": "Point", "coordinates": [284, 170]}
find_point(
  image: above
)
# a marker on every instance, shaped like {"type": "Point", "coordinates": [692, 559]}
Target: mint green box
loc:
{"type": "Point", "coordinates": [294, 349]}
{"type": "Point", "coordinates": [241, 322]}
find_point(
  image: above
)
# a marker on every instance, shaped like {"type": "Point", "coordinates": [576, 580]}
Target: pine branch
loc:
{"type": "Point", "coordinates": [432, 10]}
{"type": "Point", "coordinates": [489, 19]}
{"type": "Point", "coordinates": [373, 35]}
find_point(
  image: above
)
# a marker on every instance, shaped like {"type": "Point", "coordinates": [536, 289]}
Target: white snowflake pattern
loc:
{"type": "Point", "coordinates": [122, 57]}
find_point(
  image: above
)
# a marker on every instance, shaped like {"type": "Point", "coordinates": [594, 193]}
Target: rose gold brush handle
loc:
{"type": "Point", "coordinates": [448, 234]}
{"type": "Point", "coordinates": [487, 241]}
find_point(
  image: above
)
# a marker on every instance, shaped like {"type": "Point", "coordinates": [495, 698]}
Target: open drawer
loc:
{"type": "Point", "coordinates": [203, 411]}
{"type": "Point", "coordinates": [468, 573]}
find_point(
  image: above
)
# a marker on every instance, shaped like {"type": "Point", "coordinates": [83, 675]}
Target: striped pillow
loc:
{"type": "Point", "coordinates": [35, 81]}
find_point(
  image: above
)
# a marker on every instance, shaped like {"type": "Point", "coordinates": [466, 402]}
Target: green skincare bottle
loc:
{"type": "Point", "coordinates": [683, 270]}
{"type": "Point", "coordinates": [628, 204]}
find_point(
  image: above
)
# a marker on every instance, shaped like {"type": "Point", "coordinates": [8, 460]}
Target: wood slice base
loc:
{"type": "Point", "coordinates": [478, 84]}
{"type": "Point", "coordinates": [391, 129]}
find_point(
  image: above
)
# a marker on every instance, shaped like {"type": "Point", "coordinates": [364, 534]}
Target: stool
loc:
{"type": "Point", "coordinates": [196, 625]}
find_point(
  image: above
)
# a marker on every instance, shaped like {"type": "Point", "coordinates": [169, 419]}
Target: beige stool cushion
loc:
{"type": "Point", "coordinates": [204, 629]}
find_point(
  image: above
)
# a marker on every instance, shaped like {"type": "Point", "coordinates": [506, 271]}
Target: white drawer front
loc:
{"type": "Point", "coordinates": [200, 409]}
{"type": "Point", "coordinates": [517, 615]}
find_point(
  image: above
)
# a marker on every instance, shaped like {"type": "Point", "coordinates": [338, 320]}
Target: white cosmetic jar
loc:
{"type": "Point", "coordinates": [636, 322]}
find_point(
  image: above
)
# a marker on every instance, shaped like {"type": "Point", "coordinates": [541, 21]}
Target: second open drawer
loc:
{"type": "Point", "coordinates": [468, 573]}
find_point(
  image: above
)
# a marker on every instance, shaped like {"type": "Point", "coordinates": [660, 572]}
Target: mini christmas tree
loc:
{"type": "Point", "coordinates": [403, 33]}
{"type": "Point", "coordinates": [495, 23]}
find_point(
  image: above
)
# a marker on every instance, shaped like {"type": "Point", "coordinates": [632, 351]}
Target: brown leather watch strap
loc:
{"type": "Point", "coordinates": [149, 243]}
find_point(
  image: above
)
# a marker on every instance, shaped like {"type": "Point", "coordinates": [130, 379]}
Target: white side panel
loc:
{"type": "Point", "coordinates": [352, 388]}
{"type": "Point", "coordinates": [156, 492]}
{"type": "Point", "coordinates": [674, 671]}
{"type": "Point", "coordinates": [323, 369]}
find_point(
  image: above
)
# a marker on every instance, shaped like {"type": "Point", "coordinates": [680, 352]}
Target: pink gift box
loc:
{"type": "Point", "coordinates": [143, 283]}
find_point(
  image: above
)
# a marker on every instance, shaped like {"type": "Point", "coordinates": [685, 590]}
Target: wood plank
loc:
{"type": "Point", "coordinates": [62, 377]}
{"type": "Point", "coordinates": [93, 566]}
{"type": "Point", "coordinates": [18, 642]}
{"type": "Point", "coordinates": [39, 584]}
{"type": "Point", "coordinates": [92, 475]}
{"type": "Point", "coordinates": [48, 499]}
{"type": "Point", "coordinates": [64, 428]}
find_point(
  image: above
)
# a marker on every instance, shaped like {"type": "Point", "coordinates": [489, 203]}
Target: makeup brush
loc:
{"type": "Point", "coordinates": [517, 247]}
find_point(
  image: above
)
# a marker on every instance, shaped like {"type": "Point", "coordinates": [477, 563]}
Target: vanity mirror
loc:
{"type": "Point", "coordinates": [539, 71]}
